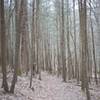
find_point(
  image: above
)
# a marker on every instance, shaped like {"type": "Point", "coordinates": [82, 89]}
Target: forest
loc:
{"type": "Point", "coordinates": [49, 49]}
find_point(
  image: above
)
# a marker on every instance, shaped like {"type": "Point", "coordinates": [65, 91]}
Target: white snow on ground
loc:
{"type": "Point", "coordinates": [49, 88]}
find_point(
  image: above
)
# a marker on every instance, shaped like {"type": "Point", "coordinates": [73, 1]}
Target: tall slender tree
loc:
{"type": "Point", "coordinates": [63, 53]}
{"type": "Point", "coordinates": [17, 46]}
{"type": "Point", "coordinates": [3, 46]}
{"type": "Point", "coordinates": [83, 40]}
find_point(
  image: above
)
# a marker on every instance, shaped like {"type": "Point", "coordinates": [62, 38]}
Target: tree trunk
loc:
{"type": "Point", "coordinates": [93, 46]}
{"type": "Point", "coordinates": [83, 40]}
{"type": "Point", "coordinates": [63, 53]}
{"type": "Point", "coordinates": [17, 46]}
{"type": "Point", "coordinates": [3, 46]}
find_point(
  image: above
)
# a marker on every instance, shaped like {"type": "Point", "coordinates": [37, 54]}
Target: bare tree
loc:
{"type": "Point", "coordinates": [3, 46]}
{"type": "Point", "coordinates": [83, 40]}
{"type": "Point", "coordinates": [32, 43]}
{"type": "Point", "coordinates": [93, 46]}
{"type": "Point", "coordinates": [75, 43]}
{"type": "Point", "coordinates": [17, 45]}
{"type": "Point", "coordinates": [63, 53]}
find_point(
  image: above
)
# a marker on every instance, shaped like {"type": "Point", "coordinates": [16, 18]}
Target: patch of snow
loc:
{"type": "Point", "coordinates": [49, 88]}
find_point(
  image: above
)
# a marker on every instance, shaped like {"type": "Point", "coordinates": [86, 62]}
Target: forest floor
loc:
{"type": "Point", "coordinates": [49, 88]}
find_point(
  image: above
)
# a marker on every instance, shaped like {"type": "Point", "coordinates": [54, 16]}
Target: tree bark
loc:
{"type": "Point", "coordinates": [3, 46]}
{"type": "Point", "coordinates": [17, 46]}
{"type": "Point", "coordinates": [83, 40]}
{"type": "Point", "coordinates": [63, 53]}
